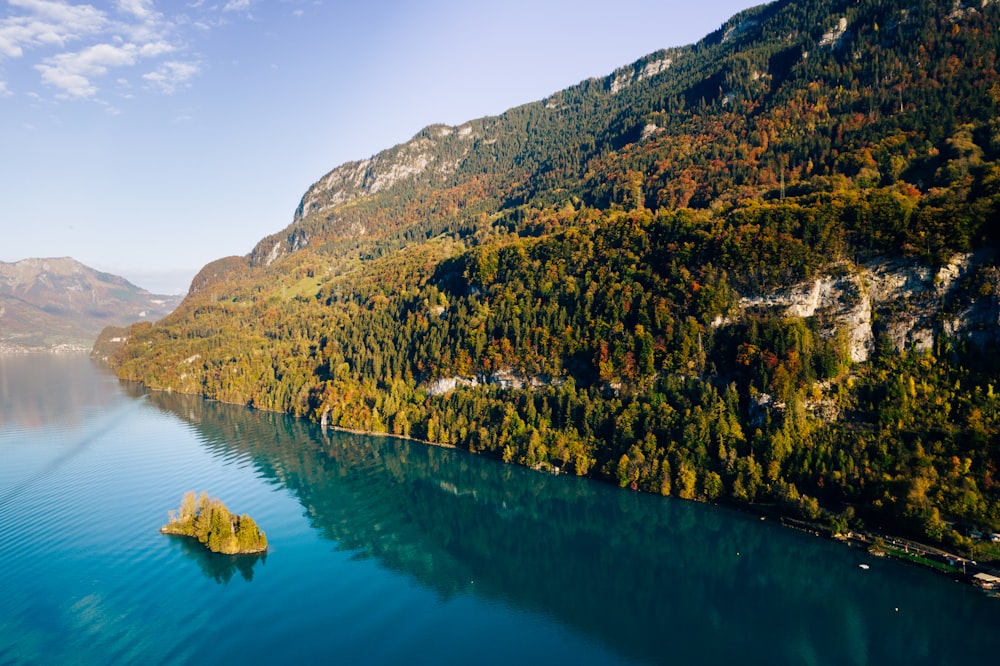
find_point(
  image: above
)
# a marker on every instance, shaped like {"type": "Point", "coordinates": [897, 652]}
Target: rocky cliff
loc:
{"type": "Point", "coordinates": [905, 301]}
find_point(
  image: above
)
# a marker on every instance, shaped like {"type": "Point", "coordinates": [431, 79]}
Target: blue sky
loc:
{"type": "Point", "coordinates": [149, 137]}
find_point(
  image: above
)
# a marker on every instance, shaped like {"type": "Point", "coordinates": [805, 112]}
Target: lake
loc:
{"type": "Point", "coordinates": [389, 551]}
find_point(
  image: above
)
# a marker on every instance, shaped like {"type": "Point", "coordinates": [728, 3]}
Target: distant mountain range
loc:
{"type": "Point", "coordinates": [63, 304]}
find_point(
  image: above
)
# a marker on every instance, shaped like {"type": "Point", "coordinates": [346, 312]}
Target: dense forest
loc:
{"type": "Point", "coordinates": [581, 284]}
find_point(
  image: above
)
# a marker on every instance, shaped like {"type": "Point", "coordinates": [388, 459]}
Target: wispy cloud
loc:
{"type": "Point", "coordinates": [139, 8]}
{"type": "Point", "coordinates": [74, 45]}
{"type": "Point", "coordinates": [58, 11]}
{"type": "Point", "coordinates": [172, 75]}
{"type": "Point", "coordinates": [157, 48]}
{"type": "Point", "coordinates": [72, 72]}
{"type": "Point", "coordinates": [47, 23]}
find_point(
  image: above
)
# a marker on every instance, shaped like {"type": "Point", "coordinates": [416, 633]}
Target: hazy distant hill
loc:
{"type": "Point", "coordinates": [52, 303]}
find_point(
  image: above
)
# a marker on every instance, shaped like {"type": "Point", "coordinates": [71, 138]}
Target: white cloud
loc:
{"type": "Point", "coordinates": [58, 10]}
{"type": "Point", "coordinates": [72, 72]}
{"type": "Point", "coordinates": [76, 85]}
{"type": "Point", "coordinates": [153, 49]}
{"type": "Point", "coordinates": [3, 90]}
{"type": "Point", "coordinates": [172, 75]}
{"type": "Point", "coordinates": [47, 23]}
{"type": "Point", "coordinates": [138, 8]}
{"type": "Point", "coordinates": [73, 44]}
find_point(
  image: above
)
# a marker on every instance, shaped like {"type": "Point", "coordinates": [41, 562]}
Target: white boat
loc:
{"type": "Point", "coordinates": [864, 566]}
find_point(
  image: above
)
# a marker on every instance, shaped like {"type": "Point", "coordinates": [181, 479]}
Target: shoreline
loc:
{"type": "Point", "coordinates": [370, 433]}
{"type": "Point", "coordinates": [854, 539]}
{"type": "Point", "coordinates": [889, 546]}
{"type": "Point", "coordinates": [8, 349]}
{"type": "Point", "coordinates": [170, 532]}
{"type": "Point", "coordinates": [925, 556]}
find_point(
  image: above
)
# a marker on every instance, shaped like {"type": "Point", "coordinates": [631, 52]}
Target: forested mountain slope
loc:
{"type": "Point", "coordinates": [760, 268]}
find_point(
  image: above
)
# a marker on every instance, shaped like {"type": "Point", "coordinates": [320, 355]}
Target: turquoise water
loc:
{"type": "Point", "coordinates": [386, 551]}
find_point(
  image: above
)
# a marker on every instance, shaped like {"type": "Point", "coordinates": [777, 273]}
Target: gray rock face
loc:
{"type": "Point", "coordinates": [435, 153]}
{"type": "Point", "coordinates": [904, 300]}
{"type": "Point", "coordinates": [438, 149]}
{"type": "Point", "coordinates": [504, 379]}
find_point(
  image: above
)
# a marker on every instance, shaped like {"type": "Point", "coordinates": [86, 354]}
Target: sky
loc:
{"type": "Point", "coordinates": [147, 138]}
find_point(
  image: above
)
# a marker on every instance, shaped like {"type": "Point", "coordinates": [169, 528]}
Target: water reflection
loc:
{"type": "Point", "coordinates": [656, 579]}
{"type": "Point", "coordinates": [217, 566]}
{"type": "Point", "coordinates": [60, 393]}
{"type": "Point", "coordinates": [39, 390]}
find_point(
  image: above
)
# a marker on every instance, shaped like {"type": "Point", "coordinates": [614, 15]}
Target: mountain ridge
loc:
{"type": "Point", "coordinates": [763, 273]}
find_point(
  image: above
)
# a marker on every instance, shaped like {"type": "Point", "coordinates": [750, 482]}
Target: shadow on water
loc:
{"type": "Point", "coordinates": [654, 578]}
{"type": "Point", "coordinates": [220, 568]}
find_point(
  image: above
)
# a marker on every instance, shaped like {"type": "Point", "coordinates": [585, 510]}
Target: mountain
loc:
{"type": "Point", "coordinates": [60, 303]}
{"type": "Point", "coordinates": [757, 269]}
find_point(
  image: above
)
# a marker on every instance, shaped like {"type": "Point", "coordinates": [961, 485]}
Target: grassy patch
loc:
{"type": "Point", "coordinates": [901, 554]}
{"type": "Point", "coordinates": [306, 287]}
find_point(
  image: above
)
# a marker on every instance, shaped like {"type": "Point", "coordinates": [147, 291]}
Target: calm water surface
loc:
{"type": "Point", "coordinates": [384, 551]}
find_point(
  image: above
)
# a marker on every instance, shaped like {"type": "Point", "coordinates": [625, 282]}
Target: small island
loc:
{"type": "Point", "coordinates": [210, 522]}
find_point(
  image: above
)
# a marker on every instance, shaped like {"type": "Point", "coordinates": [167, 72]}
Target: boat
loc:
{"type": "Point", "coordinates": [864, 566]}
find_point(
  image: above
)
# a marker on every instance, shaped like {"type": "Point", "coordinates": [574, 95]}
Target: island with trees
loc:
{"type": "Point", "coordinates": [209, 521]}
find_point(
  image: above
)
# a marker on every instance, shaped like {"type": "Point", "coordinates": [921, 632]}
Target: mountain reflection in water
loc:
{"type": "Point", "coordinates": [651, 577]}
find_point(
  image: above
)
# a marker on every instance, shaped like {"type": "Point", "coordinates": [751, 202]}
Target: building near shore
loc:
{"type": "Point", "coordinates": [986, 581]}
